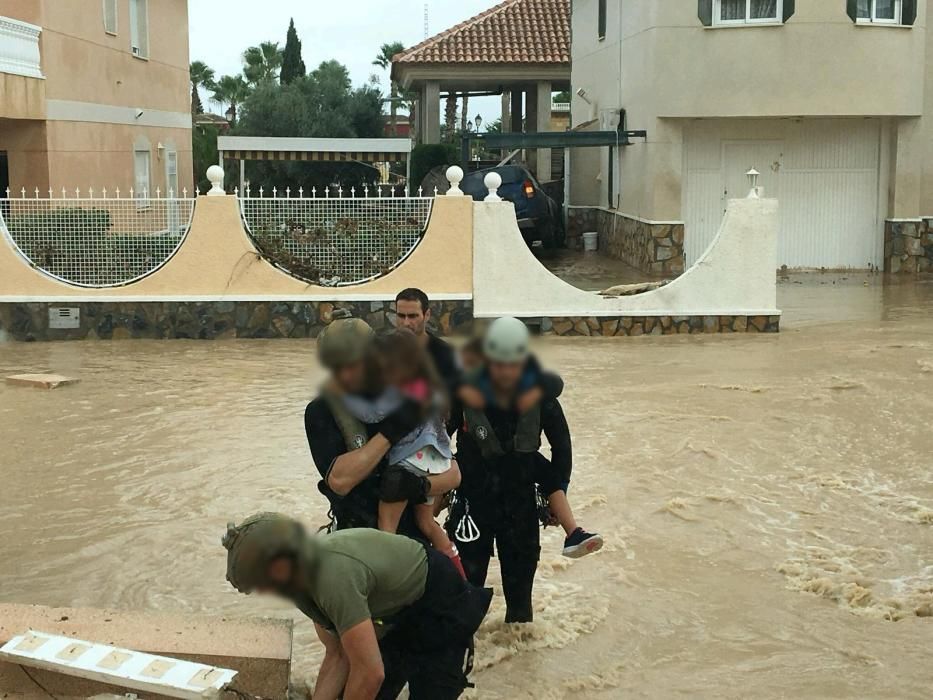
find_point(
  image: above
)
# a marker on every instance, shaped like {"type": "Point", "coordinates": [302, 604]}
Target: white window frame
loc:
{"type": "Point", "coordinates": [898, 14]}
{"type": "Point", "coordinates": [142, 194]}
{"type": "Point", "coordinates": [719, 22]}
{"type": "Point", "coordinates": [116, 17]}
{"type": "Point", "coordinates": [139, 29]}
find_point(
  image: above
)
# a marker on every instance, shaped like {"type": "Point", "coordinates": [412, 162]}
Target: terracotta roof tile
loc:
{"type": "Point", "coordinates": [515, 31]}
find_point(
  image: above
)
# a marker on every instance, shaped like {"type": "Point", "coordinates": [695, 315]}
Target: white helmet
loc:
{"type": "Point", "coordinates": [506, 341]}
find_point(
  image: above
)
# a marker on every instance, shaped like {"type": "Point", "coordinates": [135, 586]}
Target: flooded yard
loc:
{"type": "Point", "coordinates": [767, 501]}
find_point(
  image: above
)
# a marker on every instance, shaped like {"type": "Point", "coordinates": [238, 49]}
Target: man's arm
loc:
{"type": "Point", "coordinates": [555, 427]}
{"type": "Point", "coordinates": [352, 468]}
{"type": "Point", "coordinates": [365, 662]}
{"type": "Point", "coordinates": [335, 669]}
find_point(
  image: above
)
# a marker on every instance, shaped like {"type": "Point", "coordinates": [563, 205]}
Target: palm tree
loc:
{"type": "Point", "coordinates": [231, 90]}
{"type": "Point", "coordinates": [262, 62]}
{"type": "Point", "coordinates": [202, 75]}
{"type": "Point", "coordinates": [384, 60]}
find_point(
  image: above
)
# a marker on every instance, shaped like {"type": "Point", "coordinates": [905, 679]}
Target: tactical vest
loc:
{"type": "Point", "coordinates": [358, 508]}
{"type": "Point", "coordinates": [527, 436]}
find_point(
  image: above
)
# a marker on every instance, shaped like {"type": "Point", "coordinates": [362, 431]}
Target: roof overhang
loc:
{"type": "Point", "coordinates": [468, 76]}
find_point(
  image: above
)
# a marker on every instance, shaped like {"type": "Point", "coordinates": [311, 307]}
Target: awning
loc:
{"type": "Point", "coordinates": [314, 150]}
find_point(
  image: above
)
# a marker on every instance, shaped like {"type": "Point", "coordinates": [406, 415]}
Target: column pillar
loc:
{"type": "Point", "coordinates": [431, 109]}
{"type": "Point", "coordinates": [531, 126]}
{"type": "Point", "coordinates": [908, 167]}
{"type": "Point", "coordinates": [506, 111]}
{"type": "Point", "coordinates": [543, 113]}
{"type": "Point", "coordinates": [517, 112]}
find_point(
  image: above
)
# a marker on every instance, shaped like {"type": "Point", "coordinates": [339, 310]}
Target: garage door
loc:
{"type": "Point", "coordinates": [824, 172]}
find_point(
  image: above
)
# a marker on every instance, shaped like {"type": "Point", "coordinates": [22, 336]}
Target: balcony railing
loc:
{"type": "Point", "coordinates": [19, 48]}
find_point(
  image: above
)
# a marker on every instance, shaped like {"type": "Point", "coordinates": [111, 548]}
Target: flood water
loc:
{"type": "Point", "coordinates": [767, 501]}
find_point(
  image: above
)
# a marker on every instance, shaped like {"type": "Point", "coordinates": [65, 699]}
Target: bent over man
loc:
{"type": "Point", "coordinates": [388, 610]}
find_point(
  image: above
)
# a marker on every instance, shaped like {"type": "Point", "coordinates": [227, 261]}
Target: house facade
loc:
{"type": "Point", "coordinates": [828, 99]}
{"type": "Point", "coordinates": [94, 93]}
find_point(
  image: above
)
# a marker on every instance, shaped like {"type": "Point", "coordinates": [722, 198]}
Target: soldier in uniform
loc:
{"type": "Point", "coordinates": [388, 610]}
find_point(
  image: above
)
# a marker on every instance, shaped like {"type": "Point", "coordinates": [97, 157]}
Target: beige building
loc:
{"type": "Point", "coordinates": [94, 93]}
{"type": "Point", "coordinates": [829, 99]}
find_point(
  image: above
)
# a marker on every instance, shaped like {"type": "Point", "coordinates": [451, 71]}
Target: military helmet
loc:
{"type": "Point", "coordinates": [506, 340]}
{"type": "Point", "coordinates": [344, 342]}
{"type": "Point", "coordinates": [256, 542]}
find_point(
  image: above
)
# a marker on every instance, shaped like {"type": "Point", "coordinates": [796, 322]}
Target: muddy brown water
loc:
{"type": "Point", "coordinates": [767, 501]}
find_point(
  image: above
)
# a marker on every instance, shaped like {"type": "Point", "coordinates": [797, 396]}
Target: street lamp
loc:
{"type": "Point", "coordinates": [479, 122]}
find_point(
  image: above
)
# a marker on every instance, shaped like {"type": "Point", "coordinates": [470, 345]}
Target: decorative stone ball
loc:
{"type": "Point", "coordinates": [215, 174]}
{"type": "Point", "coordinates": [454, 177]}
{"type": "Point", "coordinates": [493, 182]}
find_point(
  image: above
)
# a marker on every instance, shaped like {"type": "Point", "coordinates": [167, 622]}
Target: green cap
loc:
{"type": "Point", "coordinates": [344, 342]}
{"type": "Point", "coordinates": [254, 543]}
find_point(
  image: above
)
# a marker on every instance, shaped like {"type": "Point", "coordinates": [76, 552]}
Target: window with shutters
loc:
{"type": "Point", "coordinates": [878, 11]}
{"type": "Point", "coordinates": [601, 24]}
{"type": "Point", "coordinates": [139, 28]}
{"type": "Point", "coordinates": [726, 12]}
{"type": "Point", "coordinates": [110, 16]}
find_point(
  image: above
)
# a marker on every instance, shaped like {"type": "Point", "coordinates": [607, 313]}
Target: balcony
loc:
{"type": "Point", "coordinates": [22, 84]}
{"type": "Point", "coordinates": [19, 48]}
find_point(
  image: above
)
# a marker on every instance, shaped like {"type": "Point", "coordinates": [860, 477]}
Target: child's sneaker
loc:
{"type": "Point", "coordinates": [580, 543]}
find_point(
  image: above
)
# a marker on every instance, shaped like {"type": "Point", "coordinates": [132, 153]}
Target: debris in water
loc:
{"type": "Point", "coordinates": [41, 381]}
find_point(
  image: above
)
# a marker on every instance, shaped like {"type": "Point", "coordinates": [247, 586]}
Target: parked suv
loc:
{"type": "Point", "coordinates": [539, 215]}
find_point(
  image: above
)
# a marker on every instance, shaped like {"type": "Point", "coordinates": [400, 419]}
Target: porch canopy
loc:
{"type": "Point", "coordinates": [244, 148]}
{"type": "Point", "coordinates": [519, 49]}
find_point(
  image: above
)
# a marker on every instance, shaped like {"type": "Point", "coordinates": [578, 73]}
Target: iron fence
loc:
{"type": "Point", "coordinates": [332, 239]}
{"type": "Point", "coordinates": [96, 240]}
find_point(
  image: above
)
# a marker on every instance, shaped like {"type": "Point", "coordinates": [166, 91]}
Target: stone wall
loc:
{"type": "Point", "coordinates": [655, 248]}
{"type": "Point", "coordinates": [219, 320]}
{"type": "Point", "coordinates": [659, 325]}
{"type": "Point", "coordinates": [908, 246]}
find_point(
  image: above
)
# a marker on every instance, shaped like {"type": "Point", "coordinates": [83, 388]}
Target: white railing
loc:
{"type": "Point", "coordinates": [19, 48]}
{"type": "Point", "coordinates": [95, 239]}
{"type": "Point", "coordinates": [560, 107]}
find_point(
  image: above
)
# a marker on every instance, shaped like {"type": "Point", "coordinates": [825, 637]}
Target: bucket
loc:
{"type": "Point", "coordinates": [591, 241]}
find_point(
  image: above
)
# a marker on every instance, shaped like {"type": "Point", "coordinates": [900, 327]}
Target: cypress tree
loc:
{"type": "Point", "coordinates": [293, 66]}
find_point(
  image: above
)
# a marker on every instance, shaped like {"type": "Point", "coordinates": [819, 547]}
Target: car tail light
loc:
{"type": "Point", "coordinates": [529, 189]}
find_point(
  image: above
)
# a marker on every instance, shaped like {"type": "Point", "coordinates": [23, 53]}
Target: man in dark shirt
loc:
{"type": "Point", "coordinates": [413, 311]}
{"type": "Point", "coordinates": [350, 455]}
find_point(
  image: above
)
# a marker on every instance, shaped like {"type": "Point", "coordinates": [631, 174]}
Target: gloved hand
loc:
{"type": "Point", "coordinates": [398, 485]}
{"type": "Point", "coordinates": [406, 418]}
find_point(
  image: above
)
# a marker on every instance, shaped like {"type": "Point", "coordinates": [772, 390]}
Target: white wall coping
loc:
{"type": "Point", "coordinates": [650, 222]}
{"type": "Point", "coordinates": [648, 313]}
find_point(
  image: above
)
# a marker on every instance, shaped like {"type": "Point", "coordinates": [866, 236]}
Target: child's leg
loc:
{"type": "Point", "coordinates": [424, 516]}
{"type": "Point", "coordinates": [390, 514]}
{"type": "Point", "coordinates": [560, 507]}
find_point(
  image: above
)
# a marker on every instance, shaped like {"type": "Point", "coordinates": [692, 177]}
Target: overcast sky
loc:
{"type": "Point", "coordinates": [350, 31]}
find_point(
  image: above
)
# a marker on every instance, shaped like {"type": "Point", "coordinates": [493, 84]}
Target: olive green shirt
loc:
{"type": "Point", "coordinates": [360, 574]}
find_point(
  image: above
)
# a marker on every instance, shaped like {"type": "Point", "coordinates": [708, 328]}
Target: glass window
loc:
{"type": "Point", "coordinates": [601, 26]}
{"type": "Point", "coordinates": [884, 11]}
{"type": "Point", "coordinates": [139, 27]}
{"type": "Point", "coordinates": [746, 11]}
{"type": "Point", "coordinates": [142, 161]}
{"type": "Point", "coordinates": [110, 16]}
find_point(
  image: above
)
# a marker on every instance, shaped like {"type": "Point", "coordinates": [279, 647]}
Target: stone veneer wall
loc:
{"type": "Point", "coordinates": [659, 325]}
{"type": "Point", "coordinates": [649, 247]}
{"type": "Point", "coordinates": [211, 320]}
{"type": "Point", "coordinates": [908, 246]}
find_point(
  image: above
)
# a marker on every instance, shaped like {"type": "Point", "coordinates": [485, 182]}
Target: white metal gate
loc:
{"type": "Point", "coordinates": [825, 172]}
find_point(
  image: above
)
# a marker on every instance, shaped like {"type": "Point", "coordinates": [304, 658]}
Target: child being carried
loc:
{"type": "Point", "coordinates": [401, 370]}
